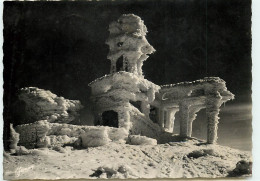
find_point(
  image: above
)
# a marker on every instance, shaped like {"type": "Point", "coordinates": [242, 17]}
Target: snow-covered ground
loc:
{"type": "Point", "coordinates": [118, 160]}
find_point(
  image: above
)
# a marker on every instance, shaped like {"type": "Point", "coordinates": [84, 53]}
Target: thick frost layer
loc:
{"type": "Point", "coordinates": [60, 140]}
{"type": "Point", "coordinates": [189, 98]}
{"type": "Point", "coordinates": [45, 134]}
{"type": "Point", "coordinates": [197, 88]}
{"type": "Point", "coordinates": [44, 105]}
{"type": "Point", "coordinates": [123, 80]}
{"type": "Point", "coordinates": [118, 92]}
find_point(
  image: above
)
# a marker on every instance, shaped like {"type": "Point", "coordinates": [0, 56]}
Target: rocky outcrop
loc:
{"type": "Point", "coordinates": [41, 104]}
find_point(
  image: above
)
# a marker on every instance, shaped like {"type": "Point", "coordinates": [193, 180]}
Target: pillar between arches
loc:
{"type": "Point", "coordinates": [161, 117]}
{"type": "Point", "coordinates": [212, 111]}
{"type": "Point", "coordinates": [184, 113]}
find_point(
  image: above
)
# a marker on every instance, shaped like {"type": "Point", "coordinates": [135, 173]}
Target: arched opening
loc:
{"type": "Point", "coordinates": [199, 125]}
{"type": "Point", "coordinates": [119, 64]}
{"type": "Point", "coordinates": [110, 118]}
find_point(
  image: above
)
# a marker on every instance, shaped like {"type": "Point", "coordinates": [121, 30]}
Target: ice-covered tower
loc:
{"type": "Point", "coordinates": [128, 46]}
{"type": "Point", "coordinates": [122, 98]}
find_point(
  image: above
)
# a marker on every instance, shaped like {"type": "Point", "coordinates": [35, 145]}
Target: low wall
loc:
{"type": "Point", "coordinates": [45, 134]}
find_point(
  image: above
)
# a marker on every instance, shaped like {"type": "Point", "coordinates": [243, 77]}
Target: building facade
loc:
{"type": "Point", "coordinates": [125, 99]}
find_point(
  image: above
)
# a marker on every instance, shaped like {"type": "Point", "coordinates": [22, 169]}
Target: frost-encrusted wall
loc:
{"type": "Point", "coordinates": [45, 134]}
{"type": "Point", "coordinates": [118, 92]}
{"type": "Point", "coordinates": [53, 130]}
{"type": "Point", "coordinates": [41, 104]}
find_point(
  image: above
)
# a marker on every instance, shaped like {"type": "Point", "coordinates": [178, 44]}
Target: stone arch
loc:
{"type": "Point", "coordinates": [198, 124]}
{"type": "Point", "coordinates": [169, 118]}
{"type": "Point", "coordinates": [110, 118]}
{"type": "Point", "coordinates": [188, 115]}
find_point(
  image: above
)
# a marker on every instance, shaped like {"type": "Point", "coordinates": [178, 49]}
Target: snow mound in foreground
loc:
{"type": "Point", "coordinates": [95, 137]}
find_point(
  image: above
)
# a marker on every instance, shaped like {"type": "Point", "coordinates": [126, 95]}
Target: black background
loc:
{"type": "Point", "coordinates": [60, 46]}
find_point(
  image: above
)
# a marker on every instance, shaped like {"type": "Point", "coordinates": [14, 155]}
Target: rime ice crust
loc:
{"type": "Point", "coordinates": [139, 103]}
{"type": "Point", "coordinates": [45, 134]}
{"type": "Point", "coordinates": [42, 104]}
{"type": "Point", "coordinates": [126, 84]}
{"type": "Point", "coordinates": [127, 40]}
{"type": "Point", "coordinates": [116, 91]}
{"type": "Point", "coordinates": [189, 98]}
{"type": "Point", "coordinates": [124, 101]}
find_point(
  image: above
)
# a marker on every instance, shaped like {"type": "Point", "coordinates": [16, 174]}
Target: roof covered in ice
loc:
{"type": "Point", "coordinates": [196, 82]}
{"type": "Point", "coordinates": [197, 88]}
{"type": "Point", "coordinates": [123, 73]}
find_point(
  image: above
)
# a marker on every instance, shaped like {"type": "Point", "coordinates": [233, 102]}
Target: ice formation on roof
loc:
{"type": "Point", "coordinates": [118, 92]}
{"type": "Point", "coordinates": [196, 88]}
{"type": "Point", "coordinates": [42, 104]}
{"type": "Point", "coordinates": [127, 44]}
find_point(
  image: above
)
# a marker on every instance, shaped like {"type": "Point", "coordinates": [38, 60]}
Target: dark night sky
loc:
{"type": "Point", "coordinates": [60, 46]}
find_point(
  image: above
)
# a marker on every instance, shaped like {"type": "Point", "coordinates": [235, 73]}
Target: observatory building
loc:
{"type": "Point", "coordinates": [125, 99]}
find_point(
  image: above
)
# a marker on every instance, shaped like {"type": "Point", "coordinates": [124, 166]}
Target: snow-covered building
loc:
{"type": "Point", "coordinates": [125, 99]}
{"type": "Point", "coordinates": [126, 105]}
